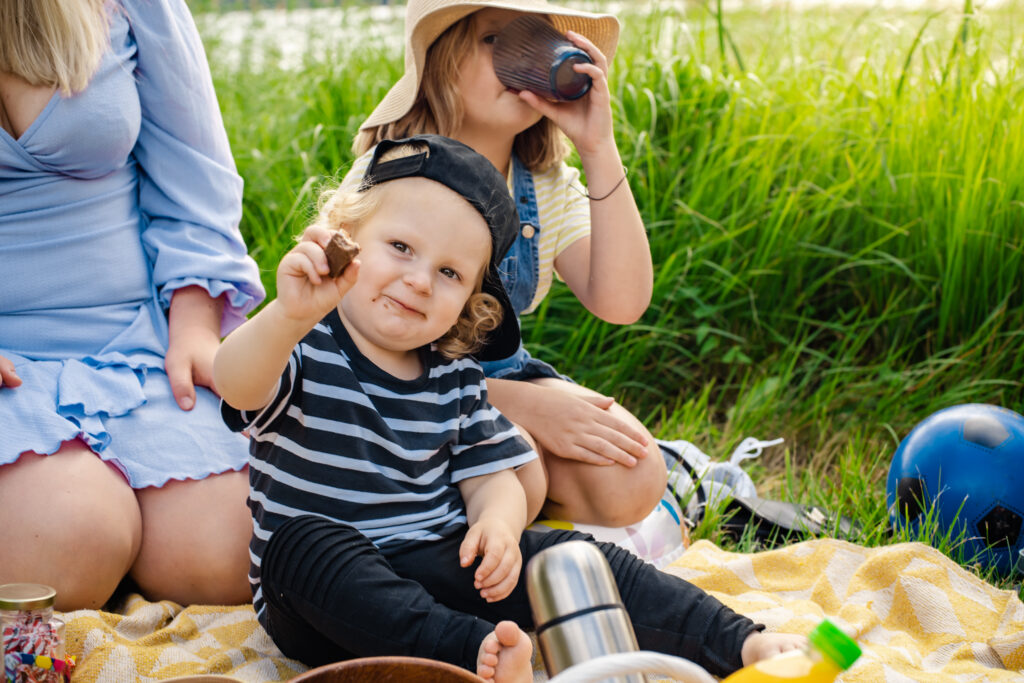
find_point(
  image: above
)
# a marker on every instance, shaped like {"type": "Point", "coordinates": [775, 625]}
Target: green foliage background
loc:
{"type": "Point", "coordinates": [835, 203]}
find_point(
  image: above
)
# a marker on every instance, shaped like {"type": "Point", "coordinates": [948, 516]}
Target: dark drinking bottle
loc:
{"type": "Point", "coordinates": [530, 54]}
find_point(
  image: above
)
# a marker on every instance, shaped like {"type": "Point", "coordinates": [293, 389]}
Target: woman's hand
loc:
{"type": "Point", "coordinates": [194, 337]}
{"type": "Point", "coordinates": [587, 121]}
{"type": "Point", "coordinates": [8, 375]}
{"type": "Point", "coordinates": [573, 423]}
{"type": "Point", "coordinates": [303, 290]}
{"type": "Point", "coordinates": [498, 573]}
{"type": "Point", "coordinates": [189, 363]}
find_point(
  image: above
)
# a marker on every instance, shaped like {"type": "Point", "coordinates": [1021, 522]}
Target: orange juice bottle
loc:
{"type": "Point", "coordinates": [829, 653]}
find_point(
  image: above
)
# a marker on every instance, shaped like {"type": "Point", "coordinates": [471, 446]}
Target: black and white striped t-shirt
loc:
{"type": "Point", "coordinates": [345, 440]}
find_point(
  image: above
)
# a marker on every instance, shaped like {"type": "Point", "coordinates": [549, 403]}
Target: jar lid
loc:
{"type": "Point", "coordinates": [25, 596]}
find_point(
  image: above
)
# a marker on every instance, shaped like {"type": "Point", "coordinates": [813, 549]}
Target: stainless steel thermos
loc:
{"type": "Point", "coordinates": [577, 611]}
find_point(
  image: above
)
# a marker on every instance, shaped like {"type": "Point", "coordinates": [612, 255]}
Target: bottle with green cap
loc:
{"type": "Point", "coordinates": [829, 653]}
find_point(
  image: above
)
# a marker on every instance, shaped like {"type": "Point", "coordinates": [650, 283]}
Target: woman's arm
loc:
{"type": "Point", "coordinates": [190, 194]}
{"type": "Point", "coordinates": [610, 272]}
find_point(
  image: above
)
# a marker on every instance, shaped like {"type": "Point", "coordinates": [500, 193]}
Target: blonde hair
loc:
{"type": "Point", "coordinates": [56, 43]}
{"type": "Point", "coordinates": [438, 105]}
{"type": "Point", "coordinates": [349, 209]}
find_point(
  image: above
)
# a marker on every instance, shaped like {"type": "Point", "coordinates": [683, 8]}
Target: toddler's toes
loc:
{"type": "Point", "coordinates": [505, 655]}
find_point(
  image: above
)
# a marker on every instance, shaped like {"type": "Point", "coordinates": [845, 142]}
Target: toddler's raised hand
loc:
{"type": "Point", "coordinates": [303, 289]}
{"type": "Point", "coordinates": [499, 569]}
{"type": "Point", "coordinates": [8, 376]}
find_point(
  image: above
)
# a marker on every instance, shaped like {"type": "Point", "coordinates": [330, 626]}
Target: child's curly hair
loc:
{"type": "Point", "coordinates": [349, 209]}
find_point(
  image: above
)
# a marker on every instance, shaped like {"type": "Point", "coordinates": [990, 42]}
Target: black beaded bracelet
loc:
{"type": "Point", "coordinates": [609, 193]}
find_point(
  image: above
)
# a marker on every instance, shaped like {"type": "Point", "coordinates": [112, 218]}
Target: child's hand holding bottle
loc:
{"type": "Point", "coordinates": [825, 653]}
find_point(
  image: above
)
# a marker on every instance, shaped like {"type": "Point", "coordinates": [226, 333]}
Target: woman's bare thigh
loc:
{"type": "Point", "coordinates": [74, 522]}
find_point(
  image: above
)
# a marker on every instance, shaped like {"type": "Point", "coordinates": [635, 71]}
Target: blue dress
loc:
{"type": "Point", "coordinates": [111, 200]}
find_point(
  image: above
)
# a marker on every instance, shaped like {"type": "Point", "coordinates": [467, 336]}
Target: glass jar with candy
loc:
{"type": "Point", "coordinates": [32, 637]}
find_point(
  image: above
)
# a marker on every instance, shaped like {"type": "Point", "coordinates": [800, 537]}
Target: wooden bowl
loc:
{"type": "Point", "coordinates": [387, 670]}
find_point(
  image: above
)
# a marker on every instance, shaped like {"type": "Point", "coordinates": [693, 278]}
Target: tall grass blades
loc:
{"type": "Point", "coordinates": [834, 199]}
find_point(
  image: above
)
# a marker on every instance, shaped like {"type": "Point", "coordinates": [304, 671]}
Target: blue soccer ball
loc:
{"type": "Point", "coordinates": [962, 469]}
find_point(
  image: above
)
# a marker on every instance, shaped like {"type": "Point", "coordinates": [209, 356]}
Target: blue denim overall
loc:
{"type": "Point", "coordinates": [520, 272]}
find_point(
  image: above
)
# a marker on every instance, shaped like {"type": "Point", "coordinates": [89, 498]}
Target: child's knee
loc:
{"type": "Point", "coordinates": [611, 496]}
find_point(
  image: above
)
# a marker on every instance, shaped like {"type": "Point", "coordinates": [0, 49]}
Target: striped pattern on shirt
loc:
{"type": "Point", "coordinates": [563, 212]}
{"type": "Point", "coordinates": [344, 440]}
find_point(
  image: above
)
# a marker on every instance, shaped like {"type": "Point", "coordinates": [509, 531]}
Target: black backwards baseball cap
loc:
{"type": "Point", "coordinates": [472, 176]}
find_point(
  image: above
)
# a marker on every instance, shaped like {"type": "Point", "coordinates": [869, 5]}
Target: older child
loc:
{"type": "Point", "coordinates": [380, 473]}
{"type": "Point", "coordinates": [602, 465]}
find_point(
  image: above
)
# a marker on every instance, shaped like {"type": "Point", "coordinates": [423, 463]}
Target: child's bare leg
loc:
{"type": "Point", "coordinates": [195, 541]}
{"type": "Point", "coordinates": [611, 495]}
{"type": "Point", "coordinates": [67, 520]}
{"type": "Point", "coordinates": [505, 655]}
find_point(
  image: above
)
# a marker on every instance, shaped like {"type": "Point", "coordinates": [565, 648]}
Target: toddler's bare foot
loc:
{"type": "Point", "coordinates": [505, 655]}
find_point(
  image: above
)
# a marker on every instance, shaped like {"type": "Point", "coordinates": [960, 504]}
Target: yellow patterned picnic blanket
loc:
{"type": "Point", "coordinates": [150, 641]}
{"type": "Point", "coordinates": [919, 617]}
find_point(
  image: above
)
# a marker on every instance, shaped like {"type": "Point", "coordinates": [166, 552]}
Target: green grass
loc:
{"type": "Point", "coordinates": [835, 202]}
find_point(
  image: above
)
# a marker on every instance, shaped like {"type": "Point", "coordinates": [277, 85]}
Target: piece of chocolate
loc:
{"type": "Point", "coordinates": [340, 252]}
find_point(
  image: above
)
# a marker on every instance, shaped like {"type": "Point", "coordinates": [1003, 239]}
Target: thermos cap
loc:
{"type": "Point", "coordinates": [569, 577]}
{"type": "Point", "coordinates": [26, 596]}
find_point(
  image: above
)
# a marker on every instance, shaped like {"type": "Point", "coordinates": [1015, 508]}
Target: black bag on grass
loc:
{"type": "Point", "coordinates": [698, 483]}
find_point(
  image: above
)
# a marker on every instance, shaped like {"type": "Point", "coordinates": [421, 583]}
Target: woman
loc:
{"type": "Point", "coordinates": [123, 265]}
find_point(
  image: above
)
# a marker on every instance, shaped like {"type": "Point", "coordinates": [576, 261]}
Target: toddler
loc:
{"type": "Point", "coordinates": [388, 519]}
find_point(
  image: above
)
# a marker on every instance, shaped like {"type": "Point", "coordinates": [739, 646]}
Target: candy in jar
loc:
{"type": "Point", "coordinates": [32, 637]}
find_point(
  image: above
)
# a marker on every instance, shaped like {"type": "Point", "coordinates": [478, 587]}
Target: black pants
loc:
{"type": "Point", "coordinates": [331, 594]}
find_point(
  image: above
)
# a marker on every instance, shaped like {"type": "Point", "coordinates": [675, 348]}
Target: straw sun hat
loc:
{"type": "Point", "coordinates": [425, 20]}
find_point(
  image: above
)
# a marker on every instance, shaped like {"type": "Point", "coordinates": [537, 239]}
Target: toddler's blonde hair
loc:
{"type": "Point", "coordinates": [438, 106]}
{"type": "Point", "coordinates": [56, 43]}
{"type": "Point", "coordinates": [350, 208]}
